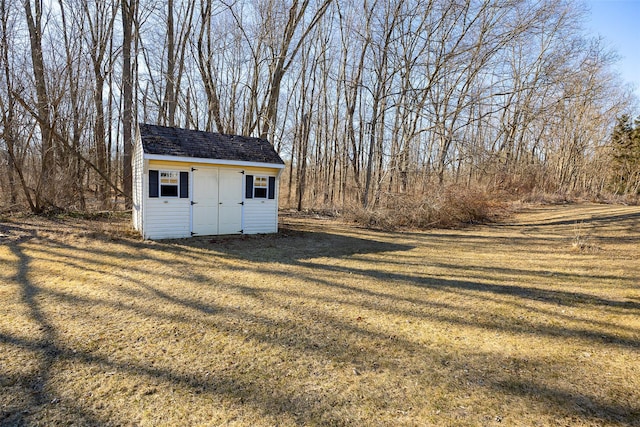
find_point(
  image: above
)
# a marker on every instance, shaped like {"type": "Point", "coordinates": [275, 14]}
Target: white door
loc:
{"type": "Point", "coordinates": [230, 202]}
{"type": "Point", "coordinates": [205, 201]}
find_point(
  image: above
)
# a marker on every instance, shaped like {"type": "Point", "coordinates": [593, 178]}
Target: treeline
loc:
{"type": "Point", "coordinates": [369, 101]}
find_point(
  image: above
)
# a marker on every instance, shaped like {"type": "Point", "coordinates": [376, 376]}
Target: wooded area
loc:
{"type": "Point", "coordinates": [368, 101]}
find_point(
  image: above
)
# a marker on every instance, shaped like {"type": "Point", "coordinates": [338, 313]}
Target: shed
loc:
{"type": "Point", "coordinates": [193, 183]}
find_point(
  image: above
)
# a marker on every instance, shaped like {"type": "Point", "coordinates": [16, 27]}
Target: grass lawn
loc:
{"type": "Point", "coordinates": [532, 321]}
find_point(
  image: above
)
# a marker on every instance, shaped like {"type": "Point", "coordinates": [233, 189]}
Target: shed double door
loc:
{"type": "Point", "coordinates": [216, 201]}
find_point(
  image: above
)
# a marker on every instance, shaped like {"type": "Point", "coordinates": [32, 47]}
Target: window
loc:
{"type": "Point", "coordinates": [169, 183]}
{"type": "Point", "coordinates": [260, 187]}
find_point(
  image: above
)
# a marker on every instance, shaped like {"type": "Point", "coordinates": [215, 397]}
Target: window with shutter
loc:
{"type": "Point", "coordinates": [168, 184]}
{"type": "Point", "coordinates": [260, 187]}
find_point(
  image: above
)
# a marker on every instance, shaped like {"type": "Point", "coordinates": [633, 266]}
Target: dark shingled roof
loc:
{"type": "Point", "coordinates": [172, 141]}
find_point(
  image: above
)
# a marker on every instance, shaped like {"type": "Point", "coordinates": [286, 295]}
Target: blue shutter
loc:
{"type": "Point", "coordinates": [248, 194]}
{"type": "Point", "coordinates": [153, 183]}
{"type": "Point", "coordinates": [272, 187]}
{"type": "Point", "coordinates": [184, 185]}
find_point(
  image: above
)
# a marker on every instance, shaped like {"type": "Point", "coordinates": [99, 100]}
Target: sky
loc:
{"type": "Point", "coordinates": [618, 21]}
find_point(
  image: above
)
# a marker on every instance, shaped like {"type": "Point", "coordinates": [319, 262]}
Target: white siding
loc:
{"type": "Point", "coordinates": [167, 218]}
{"type": "Point", "coordinates": [137, 172]}
{"type": "Point", "coordinates": [261, 215]}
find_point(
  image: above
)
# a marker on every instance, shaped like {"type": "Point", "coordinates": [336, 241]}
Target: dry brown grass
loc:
{"type": "Point", "coordinates": [324, 324]}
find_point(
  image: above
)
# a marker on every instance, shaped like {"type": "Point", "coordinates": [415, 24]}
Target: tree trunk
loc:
{"type": "Point", "coordinates": [128, 8]}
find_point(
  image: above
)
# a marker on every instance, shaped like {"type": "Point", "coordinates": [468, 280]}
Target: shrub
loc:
{"type": "Point", "coordinates": [446, 207]}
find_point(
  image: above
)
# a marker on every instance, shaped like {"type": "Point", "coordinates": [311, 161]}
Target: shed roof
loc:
{"type": "Point", "coordinates": [178, 142]}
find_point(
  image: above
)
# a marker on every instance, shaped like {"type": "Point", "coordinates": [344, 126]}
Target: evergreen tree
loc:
{"type": "Point", "coordinates": [625, 142]}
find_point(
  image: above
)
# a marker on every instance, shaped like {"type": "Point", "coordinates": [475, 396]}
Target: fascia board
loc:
{"type": "Point", "coordinates": [213, 161]}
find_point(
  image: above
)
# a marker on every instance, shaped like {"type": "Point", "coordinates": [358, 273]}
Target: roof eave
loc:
{"type": "Point", "coordinates": [148, 156]}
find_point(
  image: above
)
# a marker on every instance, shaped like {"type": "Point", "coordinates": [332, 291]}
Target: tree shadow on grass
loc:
{"type": "Point", "coordinates": [290, 245]}
{"type": "Point", "coordinates": [323, 247]}
{"type": "Point", "coordinates": [311, 251]}
{"type": "Point", "coordinates": [36, 390]}
{"type": "Point", "coordinates": [593, 219]}
{"type": "Point", "coordinates": [331, 245]}
{"type": "Point", "coordinates": [49, 349]}
{"type": "Point", "coordinates": [315, 250]}
{"type": "Point", "coordinates": [584, 406]}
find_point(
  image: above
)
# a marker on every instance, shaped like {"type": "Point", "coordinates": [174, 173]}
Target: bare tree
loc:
{"type": "Point", "coordinates": [178, 34]}
{"type": "Point", "coordinates": [44, 196]}
{"type": "Point", "coordinates": [100, 20]}
{"type": "Point", "coordinates": [10, 115]}
{"type": "Point", "coordinates": [285, 50]}
{"type": "Point", "coordinates": [205, 56]}
{"type": "Point", "coordinates": [129, 13]}
{"type": "Point", "coordinates": [74, 127]}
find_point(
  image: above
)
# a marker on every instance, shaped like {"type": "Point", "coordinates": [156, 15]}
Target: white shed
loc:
{"type": "Point", "coordinates": [192, 183]}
